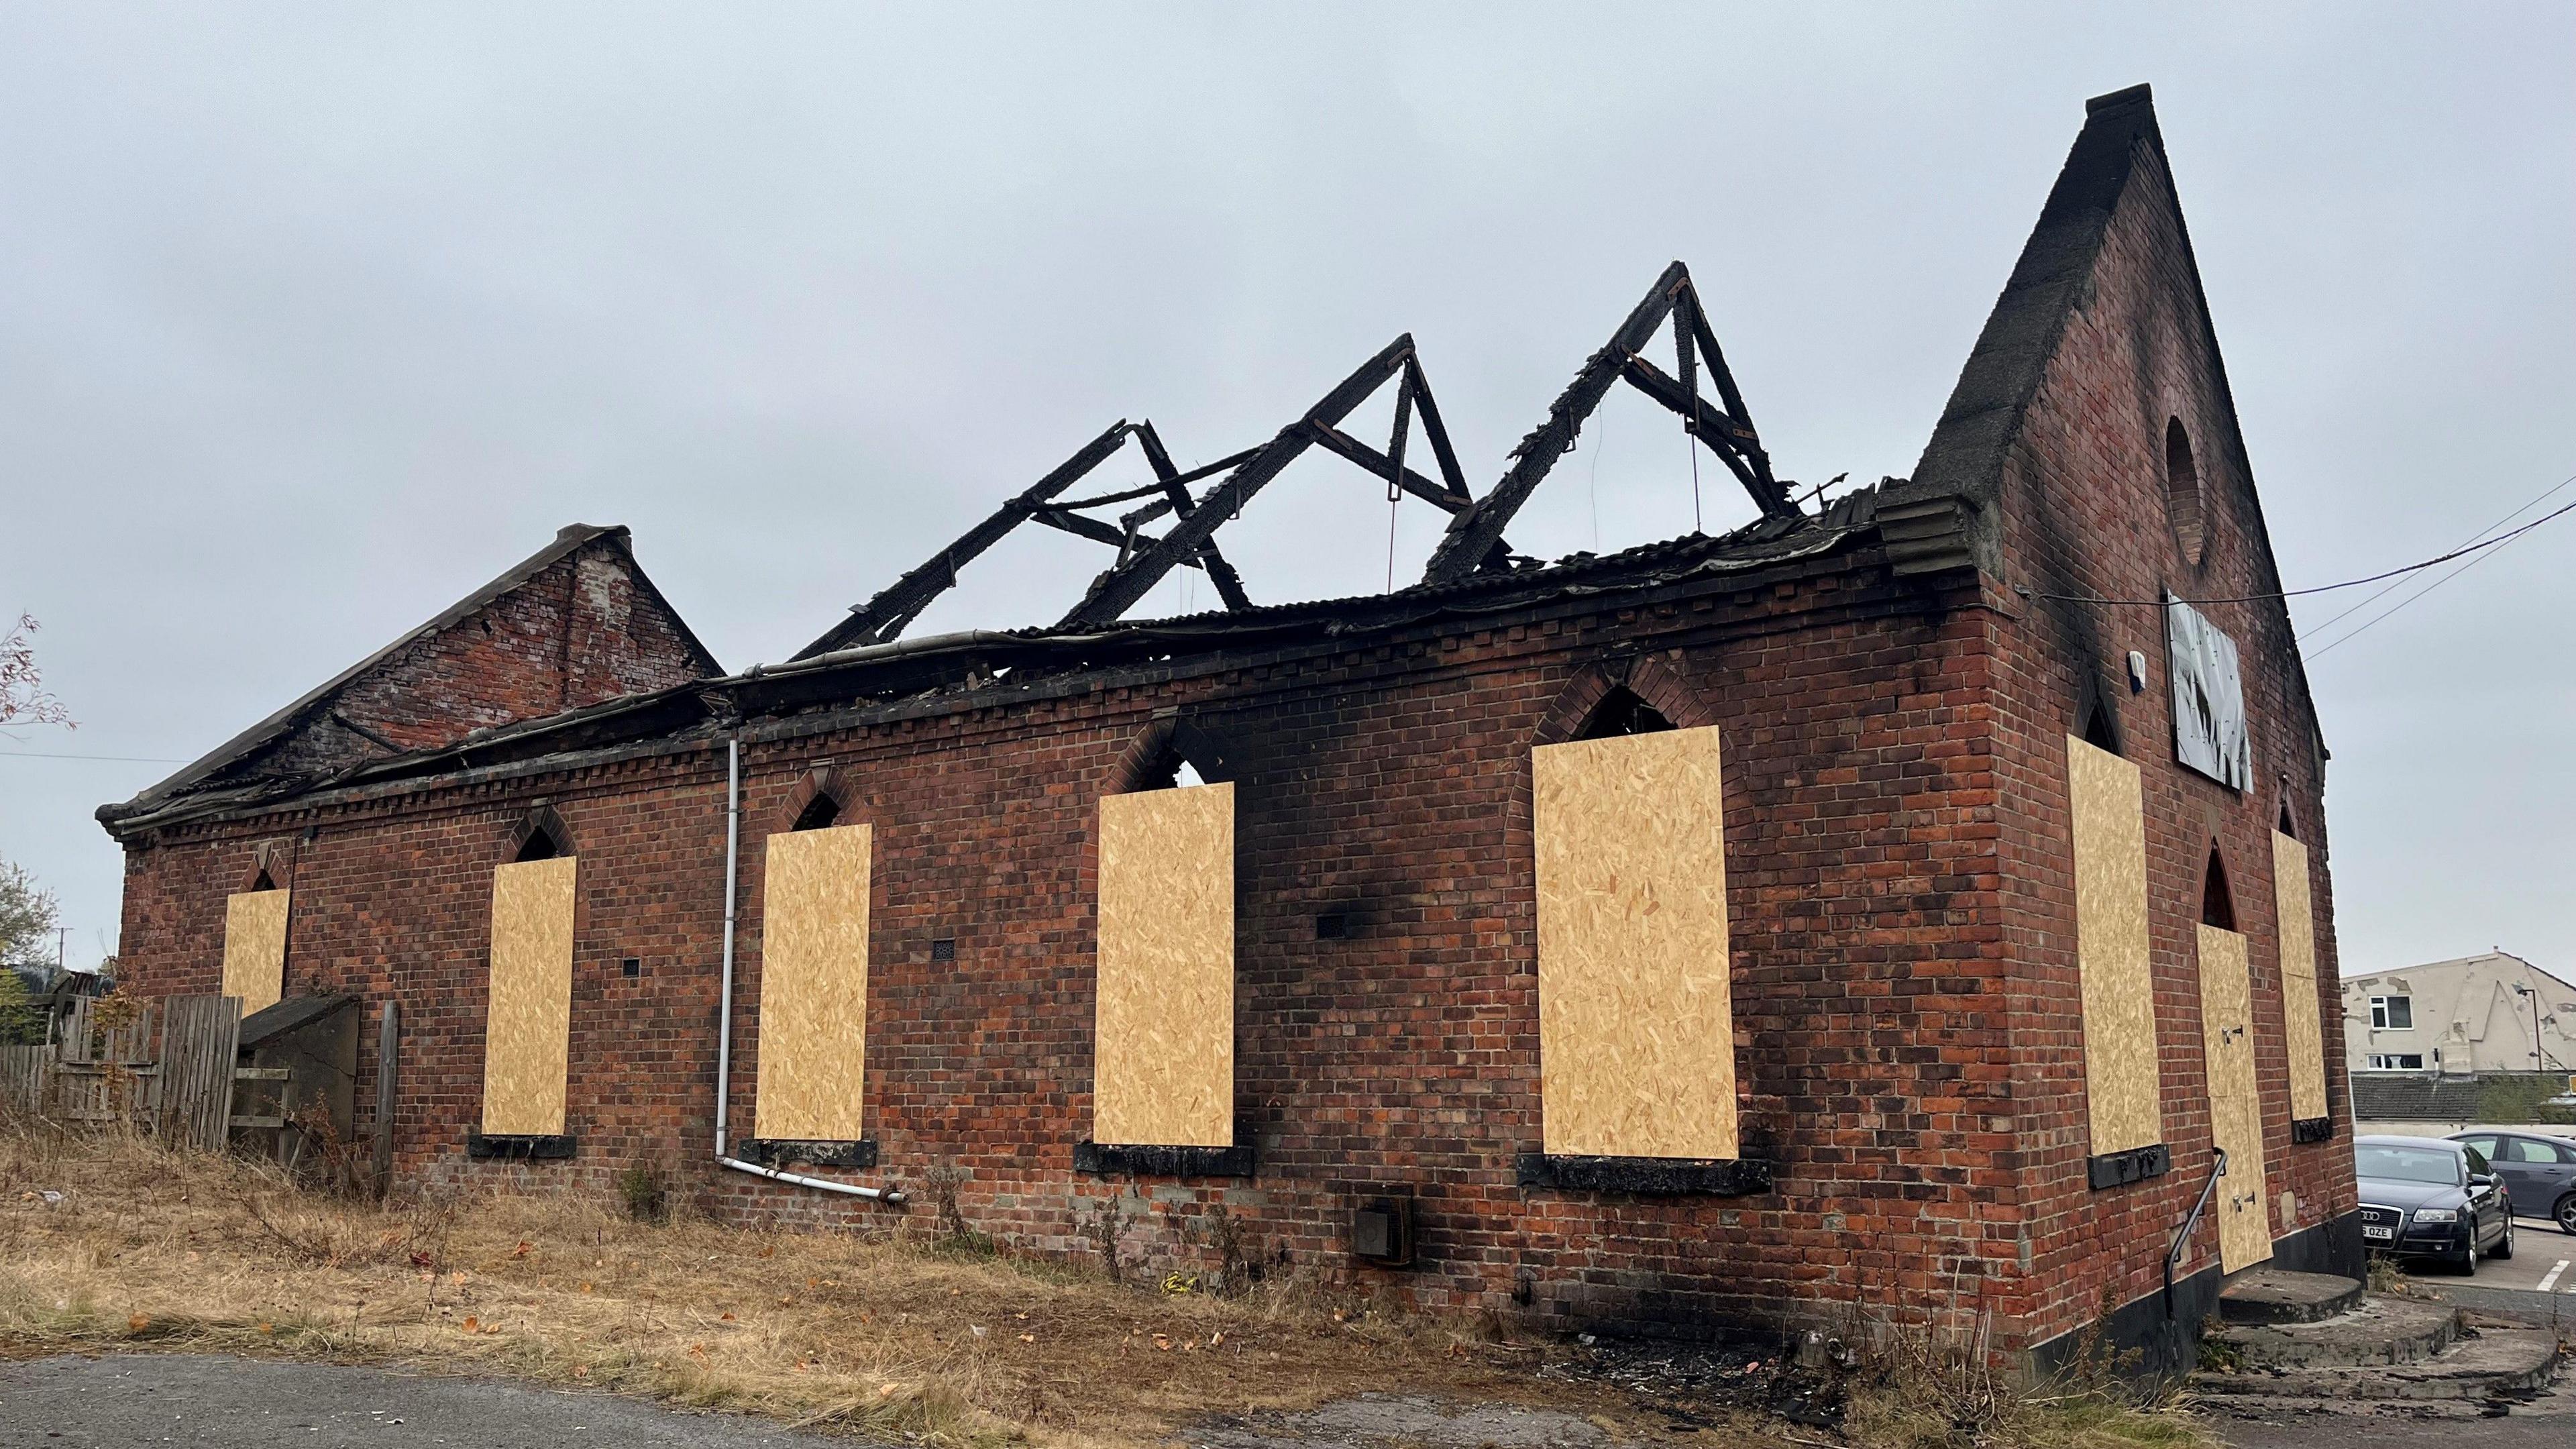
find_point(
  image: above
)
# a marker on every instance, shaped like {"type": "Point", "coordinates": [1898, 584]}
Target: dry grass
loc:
{"type": "Point", "coordinates": [878, 1335]}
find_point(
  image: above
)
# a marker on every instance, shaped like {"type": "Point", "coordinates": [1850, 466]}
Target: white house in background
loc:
{"type": "Point", "coordinates": [2490, 1013]}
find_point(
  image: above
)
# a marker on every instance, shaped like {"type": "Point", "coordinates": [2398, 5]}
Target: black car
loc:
{"type": "Point", "coordinates": [2539, 1172]}
{"type": "Point", "coordinates": [2433, 1198]}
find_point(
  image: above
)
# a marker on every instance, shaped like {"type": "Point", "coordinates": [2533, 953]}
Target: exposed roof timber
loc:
{"type": "Point", "coordinates": [882, 618]}
{"type": "Point", "coordinates": [1474, 532]}
{"type": "Point", "coordinates": [1119, 588]}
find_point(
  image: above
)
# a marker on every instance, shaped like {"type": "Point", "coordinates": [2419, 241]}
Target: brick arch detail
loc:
{"type": "Point", "coordinates": [823, 780]}
{"type": "Point", "coordinates": [274, 859]}
{"type": "Point", "coordinates": [1648, 676]}
{"type": "Point", "coordinates": [1173, 733]}
{"type": "Point", "coordinates": [541, 818]}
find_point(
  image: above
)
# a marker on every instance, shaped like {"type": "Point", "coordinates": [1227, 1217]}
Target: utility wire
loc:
{"type": "Point", "coordinates": [2413, 568]}
{"type": "Point", "coordinates": [2378, 594]}
{"type": "Point", "coordinates": [2366, 625]}
{"type": "Point", "coordinates": [123, 759]}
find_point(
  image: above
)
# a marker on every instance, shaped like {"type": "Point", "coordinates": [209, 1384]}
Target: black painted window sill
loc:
{"type": "Point", "coordinates": [2312, 1129]}
{"type": "Point", "coordinates": [1103, 1160]}
{"type": "Point", "coordinates": [779, 1151]}
{"type": "Point", "coordinates": [519, 1147]}
{"type": "Point", "coordinates": [2118, 1169]}
{"type": "Point", "coordinates": [1646, 1176]}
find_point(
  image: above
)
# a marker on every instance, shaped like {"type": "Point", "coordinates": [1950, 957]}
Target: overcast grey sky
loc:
{"type": "Point", "coordinates": [314, 318]}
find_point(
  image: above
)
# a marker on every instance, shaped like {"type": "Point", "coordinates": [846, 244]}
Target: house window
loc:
{"type": "Point", "coordinates": [2392, 1013]}
{"type": "Point", "coordinates": [2397, 1061]}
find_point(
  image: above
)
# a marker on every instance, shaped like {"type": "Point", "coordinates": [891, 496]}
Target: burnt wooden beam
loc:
{"type": "Point", "coordinates": [1474, 531]}
{"type": "Point", "coordinates": [1434, 430]}
{"type": "Point", "coordinates": [1334, 440]}
{"type": "Point", "coordinates": [899, 603]}
{"type": "Point", "coordinates": [1176, 488]}
{"type": "Point", "coordinates": [1117, 590]}
{"type": "Point", "coordinates": [1723, 377]}
{"type": "Point", "coordinates": [1702, 421]}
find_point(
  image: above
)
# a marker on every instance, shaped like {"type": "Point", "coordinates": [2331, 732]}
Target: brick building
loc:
{"type": "Point", "coordinates": [1888, 905]}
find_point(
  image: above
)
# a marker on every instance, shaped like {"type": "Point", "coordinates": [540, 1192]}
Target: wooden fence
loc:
{"type": "Point", "coordinates": [163, 1067]}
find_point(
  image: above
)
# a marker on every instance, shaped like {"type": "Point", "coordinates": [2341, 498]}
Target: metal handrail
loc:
{"type": "Point", "coordinates": [2182, 1239]}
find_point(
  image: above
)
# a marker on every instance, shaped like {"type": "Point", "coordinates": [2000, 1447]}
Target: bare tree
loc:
{"type": "Point", "coordinates": [23, 699]}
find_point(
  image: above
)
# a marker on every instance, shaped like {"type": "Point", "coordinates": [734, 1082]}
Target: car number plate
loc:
{"type": "Point", "coordinates": [2380, 1234]}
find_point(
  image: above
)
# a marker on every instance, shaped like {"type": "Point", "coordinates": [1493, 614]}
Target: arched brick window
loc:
{"type": "Point", "coordinates": [2217, 903]}
{"type": "Point", "coordinates": [2183, 501]}
{"type": "Point", "coordinates": [540, 836]}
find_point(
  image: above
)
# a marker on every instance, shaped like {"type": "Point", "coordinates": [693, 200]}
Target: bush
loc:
{"type": "Point", "coordinates": [646, 1196]}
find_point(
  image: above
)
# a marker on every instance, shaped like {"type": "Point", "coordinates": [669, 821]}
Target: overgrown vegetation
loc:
{"type": "Point", "coordinates": [641, 1190]}
{"type": "Point", "coordinates": [2523, 1099]}
{"type": "Point", "coordinates": [109, 1242]}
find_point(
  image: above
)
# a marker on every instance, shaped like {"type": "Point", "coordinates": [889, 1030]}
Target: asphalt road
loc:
{"type": "Point", "coordinates": [2544, 1261]}
{"type": "Point", "coordinates": [231, 1403]}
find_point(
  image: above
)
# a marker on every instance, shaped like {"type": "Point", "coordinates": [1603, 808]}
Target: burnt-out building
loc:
{"type": "Point", "coordinates": [1891, 906]}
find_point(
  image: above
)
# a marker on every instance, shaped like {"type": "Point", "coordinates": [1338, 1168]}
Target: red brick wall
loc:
{"type": "Point", "coordinates": [2084, 513]}
{"type": "Point", "coordinates": [583, 630]}
{"type": "Point", "coordinates": [1391, 784]}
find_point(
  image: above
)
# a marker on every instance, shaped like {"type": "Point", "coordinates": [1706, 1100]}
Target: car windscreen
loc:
{"type": "Point", "coordinates": [2407, 1164]}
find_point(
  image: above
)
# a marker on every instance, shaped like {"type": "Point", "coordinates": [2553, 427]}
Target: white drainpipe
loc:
{"type": "Point", "coordinates": [724, 1018]}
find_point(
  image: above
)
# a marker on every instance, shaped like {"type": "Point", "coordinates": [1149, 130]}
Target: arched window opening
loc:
{"type": "Point", "coordinates": [2183, 503]}
{"type": "Point", "coordinates": [1622, 712]}
{"type": "Point", "coordinates": [2217, 904]}
{"type": "Point", "coordinates": [819, 812]}
{"type": "Point", "coordinates": [540, 845]}
{"type": "Point", "coordinates": [1171, 770]}
{"type": "Point", "coordinates": [2288, 826]}
{"type": "Point", "coordinates": [265, 882]}
{"type": "Point", "coordinates": [2098, 730]}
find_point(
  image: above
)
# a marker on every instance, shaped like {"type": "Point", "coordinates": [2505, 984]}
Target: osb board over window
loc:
{"type": "Point", "coordinates": [255, 947]}
{"type": "Point", "coordinates": [1163, 1053]}
{"type": "Point", "coordinates": [814, 984]}
{"type": "Point", "coordinates": [527, 1035]}
{"type": "Point", "coordinates": [2110, 830]}
{"type": "Point", "coordinates": [2235, 1107]}
{"type": "Point", "coordinates": [2300, 1023]}
{"type": "Point", "coordinates": [1636, 1022]}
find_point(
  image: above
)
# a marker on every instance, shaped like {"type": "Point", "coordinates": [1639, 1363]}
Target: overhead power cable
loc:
{"type": "Point", "coordinates": [2480, 547]}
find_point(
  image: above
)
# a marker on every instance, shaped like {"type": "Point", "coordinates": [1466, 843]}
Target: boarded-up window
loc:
{"type": "Point", "coordinates": [2107, 807]}
{"type": "Point", "coordinates": [527, 1029]}
{"type": "Point", "coordinates": [814, 984]}
{"type": "Point", "coordinates": [1163, 1035]}
{"type": "Point", "coordinates": [2235, 1104]}
{"type": "Point", "coordinates": [1636, 1021]}
{"type": "Point", "coordinates": [2299, 1011]}
{"type": "Point", "coordinates": [255, 947]}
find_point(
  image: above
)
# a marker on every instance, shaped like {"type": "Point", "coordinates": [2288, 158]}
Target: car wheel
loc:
{"type": "Point", "coordinates": [2504, 1245]}
{"type": "Point", "coordinates": [2565, 1212]}
{"type": "Point", "coordinates": [2467, 1262]}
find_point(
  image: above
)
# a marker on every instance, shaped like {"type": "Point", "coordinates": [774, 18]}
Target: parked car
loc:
{"type": "Point", "coordinates": [2539, 1172]}
{"type": "Point", "coordinates": [2431, 1197]}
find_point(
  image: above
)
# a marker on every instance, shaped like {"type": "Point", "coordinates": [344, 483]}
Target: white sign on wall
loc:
{"type": "Point", "coordinates": [2208, 697]}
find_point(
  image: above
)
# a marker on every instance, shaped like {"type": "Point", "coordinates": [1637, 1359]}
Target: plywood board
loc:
{"type": "Point", "coordinates": [1163, 1036]}
{"type": "Point", "coordinates": [2108, 814]}
{"type": "Point", "coordinates": [2235, 1106]}
{"type": "Point", "coordinates": [814, 984]}
{"type": "Point", "coordinates": [2301, 1026]}
{"type": "Point", "coordinates": [1636, 1021]}
{"type": "Point", "coordinates": [527, 1031]}
{"type": "Point", "coordinates": [255, 947]}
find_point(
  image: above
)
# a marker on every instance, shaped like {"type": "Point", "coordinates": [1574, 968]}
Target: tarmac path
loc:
{"type": "Point", "coordinates": [232, 1403]}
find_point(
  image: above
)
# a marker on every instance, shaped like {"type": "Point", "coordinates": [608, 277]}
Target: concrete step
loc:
{"type": "Point", "coordinates": [2379, 1333]}
{"type": "Point", "coordinates": [2277, 1295]}
{"type": "Point", "coordinates": [2493, 1364]}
